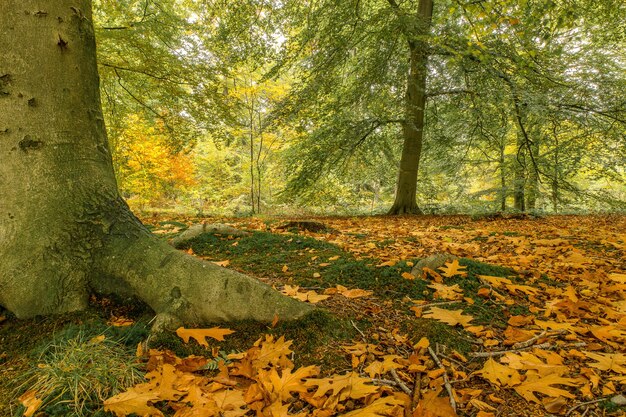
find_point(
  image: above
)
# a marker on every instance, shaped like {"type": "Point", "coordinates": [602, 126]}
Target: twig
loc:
{"type": "Point", "coordinates": [533, 339]}
{"type": "Point", "coordinates": [445, 377]}
{"type": "Point", "coordinates": [417, 390]}
{"type": "Point", "coordinates": [441, 303]}
{"type": "Point", "coordinates": [527, 343]}
{"type": "Point", "coordinates": [358, 330]}
{"type": "Point", "coordinates": [401, 384]}
{"type": "Point", "coordinates": [571, 410]}
{"type": "Point", "coordinates": [503, 352]}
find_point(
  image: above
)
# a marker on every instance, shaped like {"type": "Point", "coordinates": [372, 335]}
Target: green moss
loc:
{"type": "Point", "coordinates": [310, 335]}
{"type": "Point", "coordinates": [265, 254]}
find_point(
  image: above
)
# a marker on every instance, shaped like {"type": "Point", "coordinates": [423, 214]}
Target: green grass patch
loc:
{"type": "Point", "coordinates": [81, 367]}
{"type": "Point", "coordinates": [311, 338]}
{"type": "Point", "coordinates": [264, 254]}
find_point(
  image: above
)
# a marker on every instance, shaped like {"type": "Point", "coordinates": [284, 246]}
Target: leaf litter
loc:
{"type": "Point", "coordinates": [557, 349]}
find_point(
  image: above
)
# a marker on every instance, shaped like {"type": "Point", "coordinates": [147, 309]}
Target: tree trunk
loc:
{"type": "Point", "coordinates": [64, 230]}
{"type": "Point", "coordinates": [532, 193]}
{"type": "Point", "coordinates": [415, 101]}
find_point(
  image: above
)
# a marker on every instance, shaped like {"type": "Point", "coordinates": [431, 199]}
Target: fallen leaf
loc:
{"type": "Point", "coordinates": [200, 335]}
{"type": "Point", "coordinates": [450, 317]}
{"type": "Point", "coordinates": [31, 402]}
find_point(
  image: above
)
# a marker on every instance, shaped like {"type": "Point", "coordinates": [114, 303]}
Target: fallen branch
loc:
{"type": "Point", "coordinates": [504, 352]}
{"type": "Point", "coordinates": [529, 342]}
{"type": "Point", "coordinates": [401, 384]}
{"type": "Point", "coordinates": [571, 410]}
{"type": "Point", "coordinates": [441, 303]}
{"type": "Point", "coordinates": [446, 381]}
{"type": "Point", "coordinates": [359, 330]}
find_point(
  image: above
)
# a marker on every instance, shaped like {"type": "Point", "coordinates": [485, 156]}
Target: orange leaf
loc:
{"type": "Point", "coordinates": [31, 402]}
{"type": "Point", "coordinates": [200, 335]}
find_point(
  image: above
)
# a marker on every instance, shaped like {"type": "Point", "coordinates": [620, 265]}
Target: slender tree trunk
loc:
{"type": "Point", "coordinates": [413, 126]}
{"type": "Point", "coordinates": [533, 175]}
{"type": "Point", "coordinates": [503, 193]}
{"type": "Point", "coordinates": [519, 181]}
{"type": "Point", "coordinates": [64, 230]}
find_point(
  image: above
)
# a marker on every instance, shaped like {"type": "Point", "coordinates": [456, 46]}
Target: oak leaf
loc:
{"type": "Point", "coordinates": [451, 269]}
{"type": "Point", "coordinates": [499, 374]}
{"type": "Point", "coordinates": [384, 366]}
{"type": "Point", "coordinates": [133, 401]}
{"type": "Point", "coordinates": [608, 362]}
{"type": "Point", "coordinates": [200, 335]}
{"type": "Point", "coordinates": [432, 405]}
{"type": "Point", "coordinates": [385, 406]}
{"type": "Point", "coordinates": [543, 385]}
{"type": "Point", "coordinates": [281, 386]}
{"type": "Point", "coordinates": [450, 317]}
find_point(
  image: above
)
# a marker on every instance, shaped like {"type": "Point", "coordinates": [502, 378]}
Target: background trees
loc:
{"type": "Point", "coordinates": [306, 104]}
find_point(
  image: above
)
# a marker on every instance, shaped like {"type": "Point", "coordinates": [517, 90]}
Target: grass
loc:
{"type": "Point", "coordinates": [78, 370]}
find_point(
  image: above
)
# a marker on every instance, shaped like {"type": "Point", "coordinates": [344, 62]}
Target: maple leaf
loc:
{"type": "Point", "coordinates": [451, 269]}
{"type": "Point", "coordinates": [133, 401]}
{"type": "Point", "coordinates": [450, 317]}
{"type": "Point", "coordinates": [200, 335]}
{"type": "Point", "coordinates": [608, 362]}
{"type": "Point", "coordinates": [499, 374]}
{"type": "Point", "coordinates": [543, 385]}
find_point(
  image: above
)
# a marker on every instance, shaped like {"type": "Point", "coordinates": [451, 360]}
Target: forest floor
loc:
{"type": "Point", "coordinates": [530, 320]}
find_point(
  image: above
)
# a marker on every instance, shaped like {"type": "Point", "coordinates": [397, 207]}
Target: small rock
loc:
{"type": "Point", "coordinates": [619, 400]}
{"type": "Point", "coordinates": [213, 228]}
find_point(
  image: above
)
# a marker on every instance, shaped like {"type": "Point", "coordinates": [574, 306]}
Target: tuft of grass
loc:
{"type": "Point", "coordinates": [74, 375]}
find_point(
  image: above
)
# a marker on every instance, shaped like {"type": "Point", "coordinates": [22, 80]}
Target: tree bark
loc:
{"type": "Point", "coordinates": [64, 229]}
{"type": "Point", "coordinates": [415, 101]}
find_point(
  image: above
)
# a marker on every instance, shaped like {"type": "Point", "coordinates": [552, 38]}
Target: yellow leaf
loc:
{"type": "Point", "coordinates": [133, 401]}
{"type": "Point", "coordinates": [450, 317]}
{"type": "Point", "coordinates": [608, 362]}
{"type": "Point", "coordinates": [224, 263]}
{"type": "Point", "coordinates": [384, 366]}
{"type": "Point", "coordinates": [499, 374]}
{"type": "Point", "coordinates": [409, 276]}
{"type": "Point", "coordinates": [285, 268]}
{"type": "Point", "coordinates": [544, 386]}
{"type": "Point", "coordinates": [432, 405]}
{"type": "Point", "coordinates": [200, 335]}
{"type": "Point", "coordinates": [385, 406]}
{"type": "Point", "coordinates": [452, 269]}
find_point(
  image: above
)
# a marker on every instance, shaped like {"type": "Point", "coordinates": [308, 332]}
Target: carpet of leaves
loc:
{"type": "Point", "coordinates": [563, 356]}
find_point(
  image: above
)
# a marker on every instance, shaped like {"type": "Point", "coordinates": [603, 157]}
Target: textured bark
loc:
{"type": "Point", "coordinates": [413, 127]}
{"type": "Point", "coordinates": [64, 230]}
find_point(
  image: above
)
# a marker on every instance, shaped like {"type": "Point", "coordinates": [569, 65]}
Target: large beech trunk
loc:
{"type": "Point", "coordinates": [64, 230]}
{"type": "Point", "coordinates": [415, 103]}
